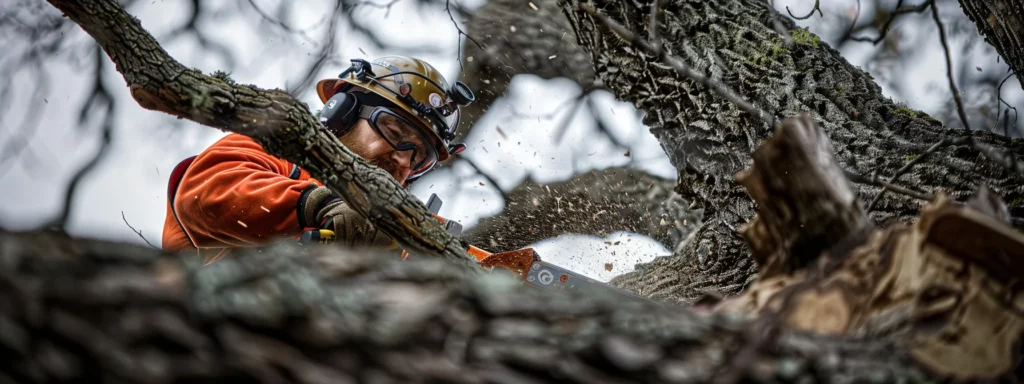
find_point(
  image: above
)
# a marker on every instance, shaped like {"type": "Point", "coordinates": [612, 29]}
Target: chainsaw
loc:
{"type": "Point", "coordinates": [524, 264]}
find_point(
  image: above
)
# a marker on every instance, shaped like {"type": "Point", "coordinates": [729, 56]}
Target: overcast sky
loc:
{"type": "Point", "coordinates": [146, 146]}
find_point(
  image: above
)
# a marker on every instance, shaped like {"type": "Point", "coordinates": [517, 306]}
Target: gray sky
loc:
{"type": "Point", "coordinates": [132, 179]}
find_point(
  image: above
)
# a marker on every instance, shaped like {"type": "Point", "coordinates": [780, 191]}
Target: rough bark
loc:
{"type": "Point", "coordinates": [735, 43]}
{"type": "Point", "coordinates": [91, 311]}
{"type": "Point", "coordinates": [596, 203]}
{"type": "Point", "coordinates": [1002, 24]}
{"type": "Point", "coordinates": [279, 122]}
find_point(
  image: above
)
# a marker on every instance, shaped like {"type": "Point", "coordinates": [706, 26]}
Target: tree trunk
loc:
{"type": "Point", "coordinates": [596, 203]}
{"type": "Point", "coordinates": [91, 311]}
{"type": "Point", "coordinates": [708, 139]}
{"type": "Point", "coordinates": [1002, 24]}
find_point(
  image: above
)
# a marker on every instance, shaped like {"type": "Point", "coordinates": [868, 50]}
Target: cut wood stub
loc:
{"type": "Point", "coordinates": [805, 203]}
{"type": "Point", "coordinates": [948, 287]}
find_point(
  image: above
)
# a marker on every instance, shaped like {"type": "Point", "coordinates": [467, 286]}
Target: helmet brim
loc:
{"type": "Point", "coordinates": [326, 88]}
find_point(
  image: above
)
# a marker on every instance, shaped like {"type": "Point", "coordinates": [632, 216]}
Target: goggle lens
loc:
{"type": "Point", "coordinates": [402, 135]}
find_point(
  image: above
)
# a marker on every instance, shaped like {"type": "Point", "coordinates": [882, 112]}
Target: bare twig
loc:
{"type": "Point", "coordinates": [856, 17]}
{"type": "Point", "coordinates": [817, 7]}
{"type": "Point", "coordinates": [563, 125]}
{"type": "Point", "coordinates": [386, 7]}
{"type": "Point", "coordinates": [888, 23]}
{"type": "Point", "coordinates": [677, 65]}
{"type": "Point", "coordinates": [325, 54]}
{"type": "Point", "coordinates": [286, 27]}
{"type": "Point", "coordinates": [137, 232]}
{"type": "Point", "coordinates": [949, 69]}
{"type": "Point", "coordinates": [910, 164]}
{"type": "Point", "coordinates": [1000, 102]}
{"type": "Point", "coordinates": [777, 23]}
{"type": "Point", "coordinates": [999, 157]}
{"type": "Point", "coordinates": [486, 175]}
{"type": "Point", "coordinates": [447, 8]}
{"type": "Point", "coordinates": [602, 127]}
{"type": "Point", "coordinates": [100, 94]}
{"type": "Point", "coordinates": [653, 23]}
{"type": "Point", "coordinates": [191, 27]}
{"type": "Point", "coordinates": [873, 180]}
{"type": "Point", "coordinates": [550, 114]}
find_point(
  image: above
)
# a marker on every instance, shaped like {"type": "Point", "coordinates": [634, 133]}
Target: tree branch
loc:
{"type": "Point", "coordinates": [92, 311]}
{"type": "Point", "coordinates": [279, 122]}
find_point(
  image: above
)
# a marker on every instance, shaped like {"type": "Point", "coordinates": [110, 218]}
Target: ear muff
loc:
{"type": "Point", "coordinates": [340, 113]}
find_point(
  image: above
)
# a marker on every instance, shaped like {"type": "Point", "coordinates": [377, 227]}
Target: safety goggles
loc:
{"type": "Point", "coordinates": [402, 135]}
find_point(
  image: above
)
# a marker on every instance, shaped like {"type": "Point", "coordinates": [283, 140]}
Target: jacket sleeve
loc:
{"type": "Point", "coordinates": [235, 195]}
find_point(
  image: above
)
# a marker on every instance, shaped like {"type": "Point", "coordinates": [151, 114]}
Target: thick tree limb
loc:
{"type": "Point", "coordinates": [597, 203]}
{"type": "Point", "coordinates": [92, 311]}
{"type": "Point", "coordinates": [1002, 24]}
{"type": "Point", "coordinates": [279, 122]}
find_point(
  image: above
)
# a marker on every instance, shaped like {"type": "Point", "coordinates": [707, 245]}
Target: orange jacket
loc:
{"type": "Point", "coordinates": [234, 194]}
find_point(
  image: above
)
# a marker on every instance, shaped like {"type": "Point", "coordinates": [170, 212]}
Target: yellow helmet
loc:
{"type": "Point", "coordinates": [411, 85]}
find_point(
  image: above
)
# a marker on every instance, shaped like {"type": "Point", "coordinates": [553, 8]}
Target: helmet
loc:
{"type": "Point", "coordinates": [411, 85]}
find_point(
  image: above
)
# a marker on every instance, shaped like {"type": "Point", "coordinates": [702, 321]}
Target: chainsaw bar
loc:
{"type": "Point", "coordinates": [551, 277]}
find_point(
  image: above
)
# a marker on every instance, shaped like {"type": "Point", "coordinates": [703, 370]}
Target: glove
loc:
{"type": "Point", "coordinates": [320, 208]}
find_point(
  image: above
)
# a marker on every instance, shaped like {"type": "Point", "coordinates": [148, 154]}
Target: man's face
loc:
{"type": "Point", "coordinates": [365, 142]}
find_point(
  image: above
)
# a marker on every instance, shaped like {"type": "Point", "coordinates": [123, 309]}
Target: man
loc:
{"type": "Point", "coordinates": [397, 113]}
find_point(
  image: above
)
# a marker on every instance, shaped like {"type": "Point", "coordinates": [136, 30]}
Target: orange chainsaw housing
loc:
{"type": "Point", "coordinates": [518, 262]}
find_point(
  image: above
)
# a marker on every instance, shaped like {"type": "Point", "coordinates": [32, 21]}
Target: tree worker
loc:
{"type": "Point", "coordinates": [397, 113]}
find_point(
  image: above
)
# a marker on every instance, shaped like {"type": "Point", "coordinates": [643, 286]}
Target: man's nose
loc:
{"type": "Point", "coordinates": [402, 159]}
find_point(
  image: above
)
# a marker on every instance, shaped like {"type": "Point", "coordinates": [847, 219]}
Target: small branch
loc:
{"type": "Point", "coordinates": [486, 175]}
{"type": "Point", "coordinates": [286, 27]}
{"type": "Point", "coordinates": [447, 8]}
{"type": "Point", "coordinates": [137, 232]}
{"type": "Point", "coordinates": [910, 164]}
{"type": "Point", "coordinates": [325, 54]}
{"type": "Point", "coordinates": [999, 157]}
{"type": "Point", "coordinates": [999, 104]}
{"type": "Point", "coordinates": [777, 23]}
{"type": "Point", "coordinates": [678, 65]}
{"type": "Point", "coordinates": [386, 7]}
{"type": "Point", "coordinates": [817, 7]}
{"type": "Point", "coordinates": [888, 23]}
{"type": "Point", "coordinates": [100, 94]}
{"type": "Point", "coordinates": [653, 23]}
{"type": "Point", "coordinates": [873, 180]}
{"type": "Point", "coordinates": [949, 69]}
{"type": "Point", "coordinates": [853, 24]}
{"type": "Point", "coordinates": [563, 126]}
